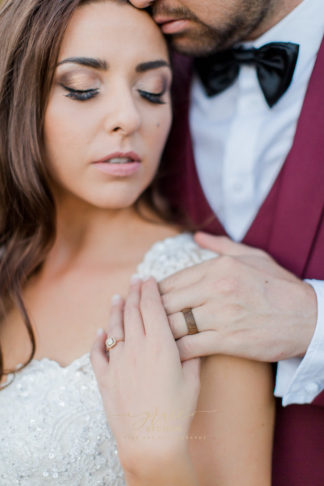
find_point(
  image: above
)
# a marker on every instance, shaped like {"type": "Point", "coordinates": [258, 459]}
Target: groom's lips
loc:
{"type": "Point", "coordinates": [171, 25]}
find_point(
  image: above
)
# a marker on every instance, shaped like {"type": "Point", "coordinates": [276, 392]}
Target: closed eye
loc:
{"type": "Point", "coordinates": [152, 97]}
{"type": "Point", "coordinates": [80, 94]}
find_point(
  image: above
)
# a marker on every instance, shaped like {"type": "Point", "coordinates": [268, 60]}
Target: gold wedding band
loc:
{"type": "Point", "coordinates": [190, 321]}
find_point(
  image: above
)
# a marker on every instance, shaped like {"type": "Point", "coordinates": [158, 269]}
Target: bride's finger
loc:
{"type": "Point", "coordinates": [116, 334]}
{"type": "Point", "coordinates": [98, 356]}
{"type": "Point", "coordinates": [178, 325]}
{"type": "Point", "coordinates": [133, 323]}
{"type": "Point", "coordinates": [154, 316]}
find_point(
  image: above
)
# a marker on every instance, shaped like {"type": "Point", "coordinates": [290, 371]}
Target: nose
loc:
{"type": "Point", "coordinates": [141, 3]}
{"type": "Point", "coordinates": [123, 115]}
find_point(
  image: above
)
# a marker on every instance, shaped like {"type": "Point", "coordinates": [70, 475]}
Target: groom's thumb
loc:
{"type": "Point", "coordinates": [222, 245]}
{"type": "Point", "coordinates": [218, 244]}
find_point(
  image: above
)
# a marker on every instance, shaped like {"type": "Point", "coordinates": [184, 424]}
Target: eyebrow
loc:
{"type": "Point", "coordinates": [86, 61]}
{"type": "Point", "coordinates": [102, 65]}
{"type": "Point", "coordinates": [146, 66]}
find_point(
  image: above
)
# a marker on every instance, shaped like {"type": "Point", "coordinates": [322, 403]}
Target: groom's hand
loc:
{"type": "Point", "coordinates": [244, 304]}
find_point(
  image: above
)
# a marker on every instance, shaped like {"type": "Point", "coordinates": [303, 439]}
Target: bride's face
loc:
{"type": "Point", "coordinates": [109, 109]}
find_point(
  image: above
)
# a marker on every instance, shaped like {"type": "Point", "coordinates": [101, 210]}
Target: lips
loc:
{"type": "Point", "coordinates": [119, 164]}
{"type": "Point", "coordinates": [119, 158]}
{"type": "Point", "coordinates": [172, 25]}
{"type": "Point", "coordinates": [160, 19]}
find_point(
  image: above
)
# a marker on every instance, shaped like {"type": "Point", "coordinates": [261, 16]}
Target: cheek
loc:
{"type": "Point", "coordinates": [159, 131]}
{"type": "Point", "coordinates": [56, 132]}
{"type": "Point", "coordinates": [157, 137]}
{"type": "Point", "coordinates": [65, 132]}
{"type": "Point", "coordinates": [212, 12]}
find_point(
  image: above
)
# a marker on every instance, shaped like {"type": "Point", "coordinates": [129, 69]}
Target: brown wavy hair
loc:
{"type": "Point", "coordinates": [31, 32]}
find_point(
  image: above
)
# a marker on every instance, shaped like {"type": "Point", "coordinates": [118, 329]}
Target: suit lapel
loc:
{"type": "Point", "coordinates": [289, 219]}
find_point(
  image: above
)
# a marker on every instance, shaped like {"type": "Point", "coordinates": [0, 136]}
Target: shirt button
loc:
{"type": "Point", "coordinates": [237, 186]}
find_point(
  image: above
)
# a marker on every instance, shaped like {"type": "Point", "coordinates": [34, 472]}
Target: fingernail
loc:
{"type": "Point", "coordinates": [100, 332]}
{"type": "Point", "coordinates": [115, 299]}
{"type": "Point", "coordinates": [134, 279]}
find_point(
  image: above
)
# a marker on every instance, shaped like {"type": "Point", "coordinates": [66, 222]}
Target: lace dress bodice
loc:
{"type": "Point", "coordinates": [53, 429]}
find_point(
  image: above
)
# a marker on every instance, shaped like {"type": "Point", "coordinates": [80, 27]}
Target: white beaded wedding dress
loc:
{"type": "Point", "coordinates": [53, 429]}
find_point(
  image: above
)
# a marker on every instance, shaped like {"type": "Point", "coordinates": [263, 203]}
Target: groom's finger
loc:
{"type": "Point", "coordinates": [191, 297]}
{"type": "Point", "coordinates": [224, 245]}
{"type": "Point", "coordinates": [183, 278]}
{"type": "Point", "coordinates": [178, 324]}
{"type": "Point", "coordinates": [198, 345]}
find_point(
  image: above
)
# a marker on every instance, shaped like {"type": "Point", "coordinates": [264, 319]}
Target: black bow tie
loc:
{"type": "Point", "coordinates": [275, 64]}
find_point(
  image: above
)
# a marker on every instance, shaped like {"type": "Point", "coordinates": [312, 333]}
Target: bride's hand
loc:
{"type": "Point", "coordinates": [148, 394]}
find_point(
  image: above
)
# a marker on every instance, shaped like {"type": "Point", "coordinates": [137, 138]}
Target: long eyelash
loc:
{"type": "Point", "coordinates": [80, 95]}
{"type": "Point", "coordinates": [152, 97]}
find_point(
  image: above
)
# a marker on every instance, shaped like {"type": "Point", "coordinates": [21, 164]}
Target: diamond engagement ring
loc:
{"type": "Point", "coordinates": [110, 343]}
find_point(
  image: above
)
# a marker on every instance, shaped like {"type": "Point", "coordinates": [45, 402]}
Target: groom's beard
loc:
{"type": "Point", "coordinates": [202, 39]}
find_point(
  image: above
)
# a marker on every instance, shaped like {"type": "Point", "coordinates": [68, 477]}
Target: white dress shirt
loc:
{"type": "Point", "coordinates": [240, 145]}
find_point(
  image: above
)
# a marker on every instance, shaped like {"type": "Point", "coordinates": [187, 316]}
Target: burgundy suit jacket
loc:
{"type": "Point", "coordinates": [290, 227]}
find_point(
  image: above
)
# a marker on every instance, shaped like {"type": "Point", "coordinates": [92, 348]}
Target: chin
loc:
{"type": "Point", "coordinates": [192, 46]}
{"type": "Point", "coordinates": [116, 203]}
